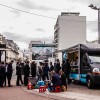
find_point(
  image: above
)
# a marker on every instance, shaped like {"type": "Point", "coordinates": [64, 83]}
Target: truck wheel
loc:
{"type": "Point", "coordinates": [89, 83]}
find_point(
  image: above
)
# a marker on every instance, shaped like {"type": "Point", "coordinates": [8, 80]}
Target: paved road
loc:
{"type": "Point", "coordinates": [82, 88]}
{"type": "Point", "coordinates": [16, 93]}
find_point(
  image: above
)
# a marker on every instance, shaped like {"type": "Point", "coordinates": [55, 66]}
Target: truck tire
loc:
{"type": "Point", "coordinates": [89, 83]}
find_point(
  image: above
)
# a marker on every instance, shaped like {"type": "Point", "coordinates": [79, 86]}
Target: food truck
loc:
{"type": "Point", "coordinates": [85, 64]}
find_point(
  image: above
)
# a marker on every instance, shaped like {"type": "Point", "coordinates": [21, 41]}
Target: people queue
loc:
{"type": "Point", "coordinates": [6, 71]}
{"type": "Point", "coordinates": [56, 73]}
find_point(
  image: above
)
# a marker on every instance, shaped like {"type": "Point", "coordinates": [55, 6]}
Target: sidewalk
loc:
{"type": "Point", "coordinates": [64, 95]}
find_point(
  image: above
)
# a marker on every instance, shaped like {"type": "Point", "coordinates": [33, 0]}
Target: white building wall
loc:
{"type": "Point", "coordinates": [11, 55]}
{"type": "Point", "coordinates": [20, 55]}
{"type": "Point", "coordinates": [72, 30]}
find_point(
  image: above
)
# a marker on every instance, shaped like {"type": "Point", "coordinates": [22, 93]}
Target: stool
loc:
{"type": "Point", "coordinates": [42, 88]}
{"type": "Point", "coordinates": [29, 87]}
{"type": "Point", "coordinates": [56, 89]}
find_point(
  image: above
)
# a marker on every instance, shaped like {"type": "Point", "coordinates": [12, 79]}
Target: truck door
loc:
{"type": "Point", "coordinates": [85, 68]}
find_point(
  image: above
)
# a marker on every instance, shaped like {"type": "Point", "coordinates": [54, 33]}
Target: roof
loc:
{"type": "Point", "coordinates": [86, 47]}
{"type": "Point", "coordinates": [70, 13]}
{"type": "Point", "coordinates": [43, 45]}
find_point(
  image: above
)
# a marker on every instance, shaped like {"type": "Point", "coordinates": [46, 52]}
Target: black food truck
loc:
{"type": "Point", "coordinates": [85, 64]}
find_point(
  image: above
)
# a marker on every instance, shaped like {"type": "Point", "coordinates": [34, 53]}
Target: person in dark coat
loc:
{"type": "Point", "coordinates": [9, 73]}
{"type": "Point", "coordinates": [40, 71]}
{"type": "Point", "coordinates": [18, 73]}
{"type": "Point", "coordinates": [6, 66]}
{"type": "Point", "coordinates": [45, 69]}
{"type": "Point", "coordinates": [51, 67]}
{"type": "Point", "coordinates": [2, 74]}
{"type": "Point", "coordinates": [57, 67]}
{"type": "Point", "coordinates": [67, 70]}
{"type": "Point", "coordinates": [26, 73]}
{"type": "Point", "coordinates": [33, 69]}
{"type": "Point", "coordinates": [55, 80]}
{"type": "Point", "coordinates": [63, 63]}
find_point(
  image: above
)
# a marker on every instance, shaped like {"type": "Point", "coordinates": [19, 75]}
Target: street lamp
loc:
{"type": "Point", "coordinates": [98, 9]}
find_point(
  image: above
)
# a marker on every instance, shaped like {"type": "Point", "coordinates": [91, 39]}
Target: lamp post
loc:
{"type": "Point", "coordinates": [98, 9]}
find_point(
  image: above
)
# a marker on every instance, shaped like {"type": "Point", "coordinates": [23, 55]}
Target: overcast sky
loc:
{"type": "Point", "coordinates": [23, 27]}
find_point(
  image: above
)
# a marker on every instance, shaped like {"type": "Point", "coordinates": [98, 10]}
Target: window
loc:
{"type": "Point", "coordinates": [94, 59]}
{"type": "Point", "coordinates": [84, 61]}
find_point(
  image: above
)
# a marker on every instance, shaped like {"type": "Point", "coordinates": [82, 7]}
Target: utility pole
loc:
{"type": "Point", "coordinates": [98, 9]}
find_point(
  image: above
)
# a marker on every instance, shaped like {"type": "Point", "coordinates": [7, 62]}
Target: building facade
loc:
{"type": "Point", "coordinates": [69, 30]}
{"type": "Point", "coordinates": [10, 52]}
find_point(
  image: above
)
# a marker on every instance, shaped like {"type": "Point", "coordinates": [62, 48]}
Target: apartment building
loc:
{"type": "Point", "coordinates": [10, 52]}
{"type": "Point", "coordinates": [69, 30]}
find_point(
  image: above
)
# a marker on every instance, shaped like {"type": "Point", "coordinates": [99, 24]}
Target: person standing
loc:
{"type": "Point", "coordinates": [18, 73]}
{"type": "Point", "coordinates": [51, 67]}
{"type": "Point", "coordinates": [57, 67]}
{"type": "Point", "coordinates": [45, 71]}
{"type": "Point", "coordinates": [67, 70]}
{"type": "Point", "coordinates": [63, 63]}
{"type": "Point", "coordinates": [9, 73]}
{"type": "Point", "coordinates": [6, 66]}
{"type": "Point", "coordinates": [40, 71]}
{"type": "Point", "coordinates": [33, 69]}
{"type": "Point", "coordinates": [2, 74]}
{"type": "Point", "coordinates": [26, 73]}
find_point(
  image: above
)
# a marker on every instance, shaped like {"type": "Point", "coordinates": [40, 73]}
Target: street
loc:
{"type": "Point", "coordinates": [18, 93]}
{"type": "Point", "coordinates": [82, 88]}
